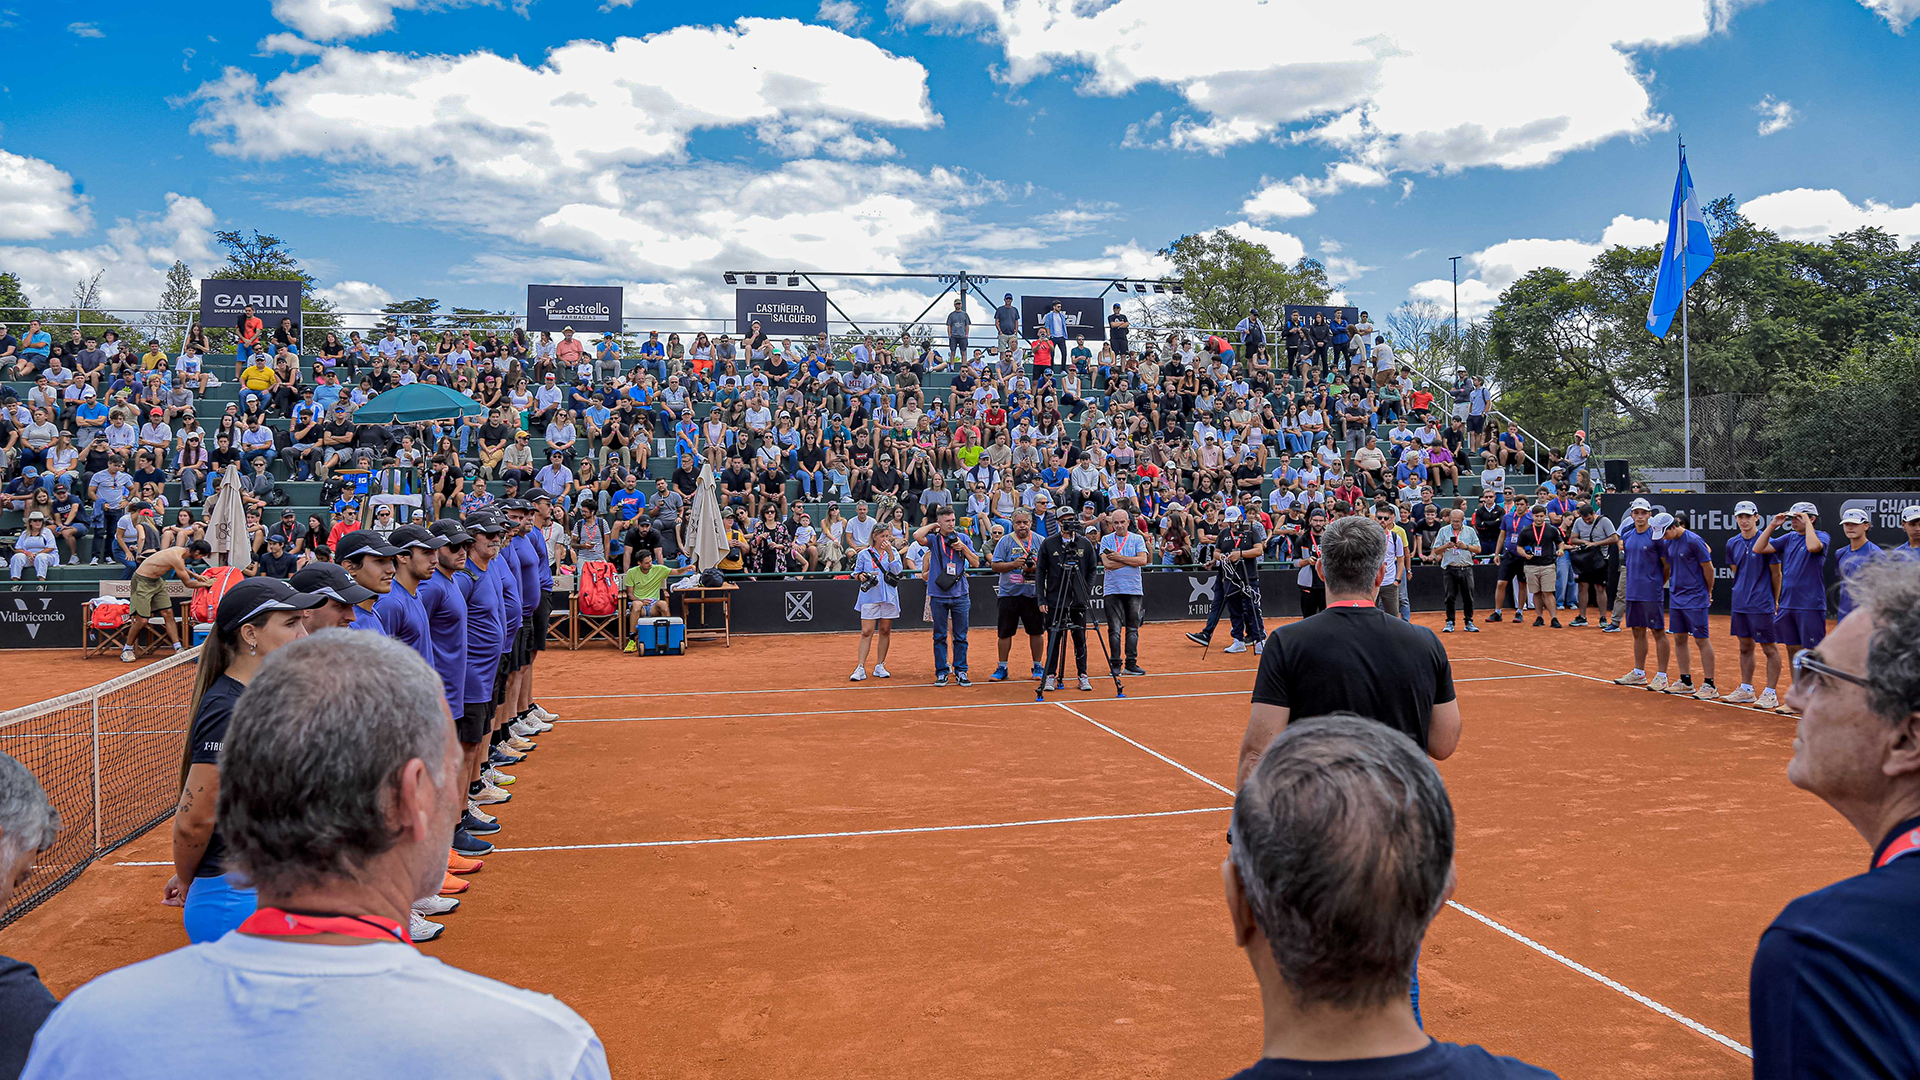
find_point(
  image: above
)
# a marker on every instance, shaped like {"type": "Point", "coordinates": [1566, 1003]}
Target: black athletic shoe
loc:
{"type": "Point", "coordinates": [1197, 639]}
{"type": "Point", "coordinates": [1555, 624]}
{"type": "Point", "coordinates": [1495, 617]}
{"type": "Point", "coordinates": [961, 678]}
{"type": "Point", "coordinates": [475, 827]}
{"type": "Point", "coordinates": [1580, 620]}
{"type": "Point", "coordinates": [1132, 669]}
{"type": "Point", "coordinates": [1541, 621]}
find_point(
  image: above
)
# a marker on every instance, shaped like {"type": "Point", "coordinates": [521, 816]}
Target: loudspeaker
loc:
{"type": "Point", "coordinates": [1619, 477]}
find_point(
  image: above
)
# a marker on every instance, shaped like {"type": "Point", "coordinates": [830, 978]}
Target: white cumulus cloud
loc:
{"type": "Point", "coordinates": [1815, 214]}
{"type": "Point", "coordinates": [844, 15]}
{"type": "Point", "coordinates": [135, 253]}
{"type": "Point", "coordinates": [1898, 13]}
{"type": "Point", "coordinates": [1276, 200]}
{"type": "Point", "coordinates": [1492, 269]}
{"type": "Point", "coordinates": [336, 20]}
{"type": "Point", "coordinates": [1775, 115]}
{"type": "Point", "coordinates": [39, 199]}
{"type": "Point", "coordinates": [355, 296]}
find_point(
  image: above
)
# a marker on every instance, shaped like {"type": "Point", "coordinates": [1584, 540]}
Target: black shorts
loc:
{"type": "Point", "coordinates": [471, 724]}
{"type": "Point", "coordinates": [542, 616]}
{"type": "Point", "coordinates": [1477, 422]}
{"type": "Point", "coordinates": [1019, 611]}
{"type": "Point", "coordinates": [1513, 566]}
{"type": "Point", "coordinates": [499, 687]}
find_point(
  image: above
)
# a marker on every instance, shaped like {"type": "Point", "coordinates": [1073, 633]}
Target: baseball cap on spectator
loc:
{"type": "Point", "coordinates": [1806, 508]}
{"type": "Point", "coordinates": [89, 392]}
{"type": "Point", "coordinates": [1640, 504]}
{"type": "Point", "coordinates": [1854, 516]}
{"type": "Point", "coordinates": [1911, 513]}
{"type": "Point", "coordinates": [416, 536]}
{"type": "Point", "coordinates": [1661, 522]}
{"type": "Point", "coordinates": [452, 530]}
{"type": "Point", "coordinates": [30, 471]}
{"type": "Point", "coordinates": [1746, 506]}
{"type": "Point", "coordinates": [276, 538]}
{"type": "Point", "coordinates": [256, 596]}
{"type": "Point", "coordinates": [363, 542]}
{"type": "Point", "coordinates": [1233, 513]}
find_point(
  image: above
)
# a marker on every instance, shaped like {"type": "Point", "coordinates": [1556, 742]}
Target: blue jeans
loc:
{"type": "Point", "coordinates": [1563, 581]}
{"type": "Point", "coordinates": [247, 396]}
{"type": "Point", "coordinates": [246, 459]}
{"type": "Point", "coordinates": [959, 610]}
{"type": "Point", "coordinates": [216, 905]}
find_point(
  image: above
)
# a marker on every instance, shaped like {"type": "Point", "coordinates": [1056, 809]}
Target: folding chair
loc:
{"type": "Point", "coordinates": [611, 629]}
{"type": "Point", "coordinates": [560, 617]}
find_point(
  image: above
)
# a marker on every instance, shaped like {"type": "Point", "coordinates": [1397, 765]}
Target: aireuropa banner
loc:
{"type": "Point", "coordinates": [780, 312]}
{"type": "Point", "coordinates": [1082, 312]}
{"type": "Point", "coordinates": [1712, 517]}
{"type": "Point", "coordinates": [586, 308]}
{"type": "Point", "coordinates": [222, 301]}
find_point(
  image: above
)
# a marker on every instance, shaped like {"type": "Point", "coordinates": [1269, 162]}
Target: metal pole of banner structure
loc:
{"type": "Point", "coordinates": [961, 279]}
{"type": "Point", "coordinates": [831, 304]}
{"type": "Point", "coordinates": [1686, 361]}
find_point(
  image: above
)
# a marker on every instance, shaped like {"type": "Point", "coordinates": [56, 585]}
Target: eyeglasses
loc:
{"type": "Point", "coordinates": [1810, 670]}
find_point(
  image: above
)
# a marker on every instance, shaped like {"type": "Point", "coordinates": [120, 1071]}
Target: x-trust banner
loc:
{"type": "Point", "coordinates": [223, 300]}
{"type": "Point", "coordinates": [586, 308]}
{"type": "Point", "coordinates": [781, 313]}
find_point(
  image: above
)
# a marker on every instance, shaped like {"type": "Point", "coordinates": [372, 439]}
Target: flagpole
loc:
{"type": "Point", "coordinates": [1686, 364]}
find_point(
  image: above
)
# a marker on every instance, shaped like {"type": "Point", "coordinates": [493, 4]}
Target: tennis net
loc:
{"type": "Point", "coordinates": [109, 759]}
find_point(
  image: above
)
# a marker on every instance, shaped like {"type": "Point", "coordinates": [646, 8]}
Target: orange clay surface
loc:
{"type": "Point", "coordinates": [676, 863]}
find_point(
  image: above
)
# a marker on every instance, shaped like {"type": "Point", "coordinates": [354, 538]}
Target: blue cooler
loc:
{"type": "Point", "coordinates": [662, 636]}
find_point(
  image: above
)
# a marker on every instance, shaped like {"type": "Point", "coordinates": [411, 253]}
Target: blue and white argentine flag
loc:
{"type": "Point", "coordinates": [1686, 231]}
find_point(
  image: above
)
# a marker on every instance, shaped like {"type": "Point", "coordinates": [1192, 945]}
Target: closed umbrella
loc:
{"type": "Point", "coordinates": [227, 522]}
{"type": "Point", "coordinates": [706, 531]}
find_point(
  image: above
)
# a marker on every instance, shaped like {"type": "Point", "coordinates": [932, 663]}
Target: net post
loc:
{"type": "Point", "coordinates": [98, 836]}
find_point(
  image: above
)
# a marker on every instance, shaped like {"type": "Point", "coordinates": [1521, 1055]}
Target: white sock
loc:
{"type": "Point", "coordinates": [1639, 671]}
{"type": "Point", "coordinates": [1748, 687]}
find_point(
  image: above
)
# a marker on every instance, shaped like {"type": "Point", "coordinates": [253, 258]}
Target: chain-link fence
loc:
{"type": "Point", "coordinates": [1744, 442]}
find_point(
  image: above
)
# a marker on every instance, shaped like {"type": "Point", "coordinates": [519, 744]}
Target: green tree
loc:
{"type": "Point", "coordinates": [263, 257]}
{"type": "Point", "coordinates": [14, 305]}
{"type": "Point", "coordinates": [1223, 276]}
{"type": "Point", "coordinates": [420, 313]}
{"type": "Point", "coordinates": [178, 307]}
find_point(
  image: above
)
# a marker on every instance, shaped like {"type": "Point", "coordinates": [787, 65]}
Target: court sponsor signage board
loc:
{"type": "Point", "coordinates": [223, 300]}
{"type": "Point", "coordinates": [587, 308]}
{"type": "Point", "coordinates": [780, 312]}
{"type": "Point", "coordinates": [1083, 316]}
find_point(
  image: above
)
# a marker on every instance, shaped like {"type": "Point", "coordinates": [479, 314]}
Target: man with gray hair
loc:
{"type": "Point", "coordinates": [340, 781]}
{"type": "Point", "coordinates": [28, 825]}
{"type": "Point", "coordinates": [1835, 988]}
{"type": "Point", "coordinates": [1342, 854]}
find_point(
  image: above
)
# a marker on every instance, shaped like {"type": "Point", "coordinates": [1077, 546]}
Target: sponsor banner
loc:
{"type": "Point", "coordinates": [1712, 517]}
{"type": "Point", "coordinates": [1083, 317]}
{"type": "Point", "coordinates": [32, 617]}
{"type": "Point", "coordinates": [587, 308]}
{"type": "Point", "coordinates": [222, 301]}
{"type": "Point", "coordinates": [780, 312]}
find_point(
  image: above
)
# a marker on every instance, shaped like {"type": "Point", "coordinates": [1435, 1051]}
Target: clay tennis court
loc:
{"type": "Point", "coordinates": [737, 864]}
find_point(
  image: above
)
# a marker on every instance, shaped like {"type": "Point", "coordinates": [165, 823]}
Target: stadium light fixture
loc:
{"type": "Point", "coordinates": [751, 280]}
{"type": "Point", "coordinates": [772, 279]}
{"type": "Point", "coordinates": [1159, 288]}
{"type": "Point", "coordinates": [1139, 287]}
{"type": "Point", "coordinates": [792, 281]}
{"type": "Point", "coordinates": [1178, 291]}
{"type": "Point", "coordinates": [731, 280]}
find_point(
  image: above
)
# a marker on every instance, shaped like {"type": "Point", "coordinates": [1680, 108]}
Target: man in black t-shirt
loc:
{"type": "Point", "coordinates": [735, 482]}
{"type": "Point", "coordinates": [1353, 657]}
{"type": "Point", "coordinates": [1334, 800]}
{"type": "Point", "coordinates": [1486, 521]}
{"type": "Point", "coordinates": [1540, 541]}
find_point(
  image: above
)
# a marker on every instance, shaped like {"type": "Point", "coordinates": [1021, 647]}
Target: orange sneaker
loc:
{"type": "Point", "coordinates": [449, 885]}
{"type": "Point", "coordinates": [460, 864]}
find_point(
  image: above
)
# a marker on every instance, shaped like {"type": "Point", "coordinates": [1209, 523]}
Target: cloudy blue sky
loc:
{"type": "Point", "coordinates": [462, 149]}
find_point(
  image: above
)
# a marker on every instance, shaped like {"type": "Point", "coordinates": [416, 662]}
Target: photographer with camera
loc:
{"type": "Point", "coordinates": [948, 557]}
{"type": "Point", "coordinates": [1015, 558]}
{"type": "Point", "coordinates": [1066, 563]}
{"type": "Point", "coordinates": [879, 571]}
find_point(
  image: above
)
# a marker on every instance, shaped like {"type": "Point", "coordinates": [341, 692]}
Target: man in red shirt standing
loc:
{"type": "Point", "coordinates": [248, 328]}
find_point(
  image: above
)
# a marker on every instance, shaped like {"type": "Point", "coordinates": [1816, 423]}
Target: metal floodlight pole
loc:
{"type": "Point", "coordinates": [1455, 260]}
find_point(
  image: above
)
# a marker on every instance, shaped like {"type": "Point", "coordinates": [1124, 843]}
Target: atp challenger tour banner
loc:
{"type": "Point", "coordinates": [222, 301]}
{"type": "Point", "coordinates": [1083, 316]}
{"type": "Point", "coordinates": [780, 312]}
{"type": "Point", "coordinates": [586, 308]}
{"type": "Point", "coordinates": [1712, 517]}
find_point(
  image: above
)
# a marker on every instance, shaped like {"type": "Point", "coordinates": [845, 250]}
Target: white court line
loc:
{"type": "Point", "coordinates": [854, 689]}
{"type": "Point", "coordinates": [1514, 934]}
{"type": "Point", "coordinates": [949, 708]}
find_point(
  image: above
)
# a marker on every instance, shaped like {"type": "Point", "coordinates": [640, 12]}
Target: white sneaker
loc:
{"type": "Point", "coordinates": [1050, 684]}
{"type": "Point", "coordinates": [490, 793]}
{"type": "Point", "coordinates": [1632, 678]}
{"type": "Point", "coordinates": [880, 672]}
{"type": "Point", "coordinates": [126, 655]}
{"type": "Point", "coordinates": [524, 728]}
{"type": "Point", "coordinates": [1236, 647]}
{"type": "Point", "coordinates": [1707, 692]}
{"type": "Point", "coordinates": [1086, 683]}
{"type": "Point", "coordinates": [1739, 697]}
{"type": "Point", "coordinates": [434, 905]}
{"type": "Point", "coordinates": [473, 807]}
{"type": "Point", "coordinates": [859, 675]}
{"type": "Point", "coordinates": [420, 929]}
{"type": "Point", "coordinates": [1259, 646]}
{"type": "Point", "coordinates": [544, 717]}
{"type": "Point", "coordinates": [1659, 683]}
{"type": "Point", "coordinates": [1767, 700]}
{"type": "Point", "coordinates": [519, 743]}
{"type": "Point", "coordinates": [497, 778]}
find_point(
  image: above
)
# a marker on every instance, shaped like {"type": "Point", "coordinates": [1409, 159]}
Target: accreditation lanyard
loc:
{"type": "Point", "coordinates": [1540, 539]}
{"type": "Point", "coordinates": [275, 922]}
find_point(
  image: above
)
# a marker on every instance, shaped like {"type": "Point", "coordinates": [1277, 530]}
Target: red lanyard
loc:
{"type": "Point", "coordinates": [1351, 603]}
{"type": "Point", "coordinates": [1539, 535]}
{"type": "Point", "coordinates": [1906, 845]}
{"type": "Point", "coordinates": [274, 922]}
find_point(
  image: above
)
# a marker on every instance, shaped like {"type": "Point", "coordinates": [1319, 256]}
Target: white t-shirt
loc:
{"type": "Point", "coordinates": [315, 1012]}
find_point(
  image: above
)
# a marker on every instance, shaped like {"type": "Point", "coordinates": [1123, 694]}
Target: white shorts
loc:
{"type": "Point", "coordinates": [883, 610]}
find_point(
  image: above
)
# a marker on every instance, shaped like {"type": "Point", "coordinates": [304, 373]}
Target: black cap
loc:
{"type": "Point", "coordinates": [515, 504]}
{"type": "Point", "coordinates": [541, 495]}
{"type": "Point", "coordinates": [256, 596]}
{"type": "Point", "coordinates": [416, 536]}
{"type": "Point", "coordinates": [330, 580]}
{"type": "Point", "coordinates": [485, 524]}
{"type": "Point", "coordinates": [451, 528]}
{"type": "Point", "coordinates": [363, 542]}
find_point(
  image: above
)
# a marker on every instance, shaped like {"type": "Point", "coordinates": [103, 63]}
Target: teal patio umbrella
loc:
{"type": "Point", "coordinates": [415, 402]}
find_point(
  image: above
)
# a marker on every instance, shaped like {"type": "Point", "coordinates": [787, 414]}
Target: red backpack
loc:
{"type": "Point", "coordinates": [207, 601]}
{"type": "Point", "coordinates": [599, 588]}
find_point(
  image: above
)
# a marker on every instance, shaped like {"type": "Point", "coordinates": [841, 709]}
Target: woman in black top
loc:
{"type": "Point", "coordinates": [255, 617]}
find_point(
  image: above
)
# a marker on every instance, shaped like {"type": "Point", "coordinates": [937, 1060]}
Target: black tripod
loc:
{"type": "Point", "coordinates": [1071, 584]}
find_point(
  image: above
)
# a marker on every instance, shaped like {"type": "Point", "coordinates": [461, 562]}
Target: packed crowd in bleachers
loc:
{"type": "Point", "coordinates": [116, 445]}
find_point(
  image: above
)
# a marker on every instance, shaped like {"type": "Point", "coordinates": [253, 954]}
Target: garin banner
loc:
{"type": "Point", "coordinates": [780, 312]}
{"type": "Point", "coordinates": [586, 308]}
{"type": "Point", "coordinates": [1083, 316]}
{"type": "Point", "coordinates": [223, 300]}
